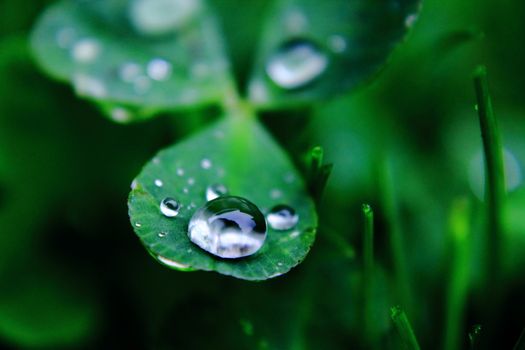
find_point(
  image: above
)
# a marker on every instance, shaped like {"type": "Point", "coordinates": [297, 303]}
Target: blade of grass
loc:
{"type": "Point", "coordinates": [368, 270]}
{"type": "Point", "coordinates": [404, 329]}
{"type": "Point", "coordinates": [495, 176]}
{"type": "Point", "coordinates": [459, 223]}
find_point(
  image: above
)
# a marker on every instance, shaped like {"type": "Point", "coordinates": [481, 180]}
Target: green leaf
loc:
{"type": "Point", "coordinates": [240, 155]}
{"type": "Point", "coordinates": [134, 59]}
{"type": "Point", "coordinates": [312, 49]}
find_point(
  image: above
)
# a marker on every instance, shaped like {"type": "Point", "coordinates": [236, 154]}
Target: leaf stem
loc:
{"type": "Point", "coordinates": [404, 329]}
{"type": "Point", "coordinates": [459, 223]}
{"type": "Point", "coordinates": [368, 270]}
{"type": "Point", "coordinates": [495, 183]}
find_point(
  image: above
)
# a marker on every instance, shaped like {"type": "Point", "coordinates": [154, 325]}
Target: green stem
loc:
{"type": "Point", "coordinates": [520, 345]}
{"type": "Point", "coordinates": [368, 270]}
{"type": "Point", "coordinates": [404, 329]}
{"type": "Point", "coordinates": [317, 172]}
{"type": "Point", "coordinates": [473, 336]}
{"type": "Point", "coordinates": [459, 277]}
{"type": "Point", "coordinates": [495, 176]}
{"type": "Point", "coordinates": [397, 245]}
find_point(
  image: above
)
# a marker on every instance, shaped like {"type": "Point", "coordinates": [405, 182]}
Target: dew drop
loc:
{"type": "Point", "coordinates": [173, 263]}
{"type": "Point", "coordinates": [215, 191]}
{"type": "Point", "coordinates": [129, 71]}
{"type": "Point", "coordinates": [89, 86]}
{"type": "Point", "coordinates": [134, 184]}
{"type": "Point", "coordinates": [229, 227]}
{"type": "Point", "coordinates": [160, 17]}
{"type": "Point", "coordinates": [85, 50]}
{"type": "Point", "coordinates": [159, 183]}
{"type": "Point", "coordinates": [276, 194]}
{"type": "Point", "coordinates": [206, 163]}
{"type": "Point", "coordinates": [138, 224]}
{"type": "Point", "coordinates": [120, 115]}
{"type": "Point", "coordinates": [191, 181]}
{"type": "Point", "coordinates": [162, 234]}
{"type": "Point", "coordinates": [410, 20]}
{"type": "Point", "coordinates": [158, 69]}
{"type": "Point", "coordinates": [180, 172]}
{"type": "Point", "coordinates": [337, 43]}
{"type": "Point", "coordinates": [282, 217]}
{"type": "Point", "coordinates": [185, 190]}
{"type": "Point", "coordinates": [296, 63]}
{"type": "Point", "coordinates": [169, 207]}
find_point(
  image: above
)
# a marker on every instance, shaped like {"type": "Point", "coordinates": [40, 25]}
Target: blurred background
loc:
{"type": "Point", "coordinates": [74, 275]}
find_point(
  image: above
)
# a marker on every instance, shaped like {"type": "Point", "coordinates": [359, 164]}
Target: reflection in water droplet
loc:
{"type": "Point", "coordinates": [476, 173]}
{"type": "Point", "coordinates": [129, 71]}
{"type": "Point", "coordinates": [296, 64]}
{"type": "Point", "coordinates": [215, 191]}
{"type": "Point", "coordinates": [159, 17]}
{"type": "Point", "coordinates": [159, 69]}
{"type": "Point", "coordinates": [172, 263]}
{"type": "Point", "coordinates": [229, 227]}
{"type": "Point", "coordinates": [206, 163]}
{"type": "Point", "coordinates": [120, 115]}
{"type": "Point", "coordinates": [282, 217]}
{"type": "Point", "coordinates": [89, 86]}
{"type": "Point", "coordinates": [158, 183]}
{"type": "Point", "coordinates": [337, 43]}
{"type": "Point", "coordinates": [85, 50]}
{"type": "Point", "coordinates": [65, 37]}
{"type": "Point", "coordinates": [169, 207]}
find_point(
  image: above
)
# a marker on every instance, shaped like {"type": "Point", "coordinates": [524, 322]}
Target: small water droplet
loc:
{"type": "Point", "coordinates": [129, 71]}
{"type": "Point", "coordinates": [289, 178]}
{"type": "Point", "coordinates": [86, 85]}
{"type": "Point", "coordinates": [162, 234]}
{"type": "Point", "coordinates": [180, 172]}
{"type": "Point", "coordinates": [85, 50]}
{"type": "Point", "coordinates": [173, 263]}
{"type": "Point", "coordinates": [410, 20]}
{"type": "Point", "coordinates": [134, 184]}
{"type": "Point", "coordinates": [185, 190]}
{"type": "Point", "coordinates": [215, 191]}
{"type": "Point", "coordinates": [191, 181]}
{"type": "Point", "coordinates": [160, 17]}
{"type": "Point", "coordinates": [282, 217]}
{"type": "Point", "coordinates": [206, 163]}
{"type": "Point", "coordinates": [138, 224]}
{"type": "Point", "coordinates": [279, 264]}
{"type": "Point", "coordinates": [159, 183]}
{"type": "Point", "coordinates": [296, 63]}
{"type": "Point", "coordinates": [159, 69]}
{"type": "Point", "coordinates": [141, 84]}
{"type": "Point", "coordinates": [169, 207]}
{"type": "Point", "coordinates": [296, 21]}
{"type": "Point", "coordinates": [156, 160]}
{"type": "Point", "coordinates": [229, 227]}
{"type": "Point", "coordinates": [120, 115]}
{"type": "Point", "coordinates": [295, 234]}
{"type": "Point", "coordinates": [337, 43]}
{"type": "Point", "coordinates": [65, 37]}
{"type": "Point", "coordinates": [276, 194]}
{"type": "Point", "coordinates": [476, 107]}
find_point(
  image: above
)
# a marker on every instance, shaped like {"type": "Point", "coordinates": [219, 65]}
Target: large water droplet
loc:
{"type": "Point", "coordinates": [169, 207]}
{"type": "Point", "coordinates": [229, 227]}
{"type": "Point", "coordinates": [159, 17]}
{"type": "Point", "coordinates": [159, 69]}
{"type": "Point", "coordinates": [215, 191]}
{"type": "Point", "coordinates": [297, 63]}
{"type": "Point", "coordinates": [282, 217]}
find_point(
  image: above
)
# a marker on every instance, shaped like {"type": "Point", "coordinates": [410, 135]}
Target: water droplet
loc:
{"type": "Point", "coordinates": [476, 173]}
{"type": "Point", "coordinates": [141, 84]}
{"type": "Point", "coordinates": [85, 50]}
{"type": "Point", "coordinates": [206, 163]}
{"type": "Point", "coordinates": [296, 21]}
{"type": "Point", "coordinates": [159, 69]}
{"type": "Point", "coordinates": [410, 20]}
{"type": "Point", "coordinates": [156, 160]}
{"type": "Point", "coordinates": [159, 17]}
{"type": "Point", "coordinates": [88, 86]}
{"type": "Point", "coordinates": [129, 71]}
{"type": "Point", "coordinates": [120, 115]}
{"type": "Point", "coordinates": [172, 263]}
{"type": "Point", "coordinates": [162, 234]}
{"type": "Point", "coordinates": [276, 194]}
{"type": "Point", "coordinates": [65, 37]}
{"type": "Point", "coordinates": [134, 184]}
{"type": "Point", "coordinates": [159, 183]}
{"type": "Point", "coordinates": [279, 264]}
{"type": "Point", "coordinates": [185, 190]}
{"type": "Point", "coordinates": [191, 181]}
{"type": "Point", "coordinates": [476, 107]}
{"type": "Point", "coordinates": [296, 64]}
{"type": "Point", "coordinates": [215, 191]}
{"type": "Point", "coordinates": [229, 227]}
{"type": "Point", "coordinates": [138, 224]}
{"type": "Point", "coordinates": [282, 217]}
{"type": "Point", "coordinates": [180, 172]}
{"type": "Point", "coordinates": [337, 43]}
{"type": "Point", "coordinates": [169, 207]}
{"type": "Point", "coordinates": [289, 178]}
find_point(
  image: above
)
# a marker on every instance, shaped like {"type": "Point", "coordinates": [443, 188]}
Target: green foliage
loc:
{"type": "Point", "coordinates": [235, 150]}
